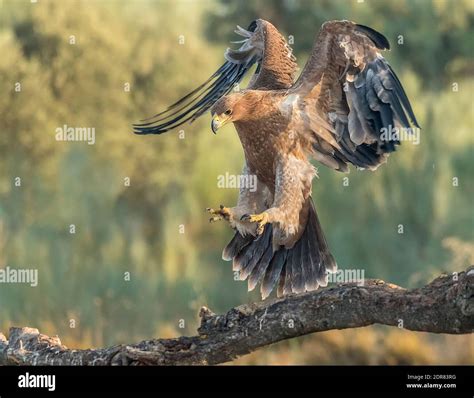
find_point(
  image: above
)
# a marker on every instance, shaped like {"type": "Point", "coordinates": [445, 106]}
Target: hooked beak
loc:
{"type": "Point", "coordinates": [217, 122]}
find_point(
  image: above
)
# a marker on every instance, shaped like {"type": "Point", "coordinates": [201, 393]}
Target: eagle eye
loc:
{"type": "Point", "coordinates": [228, 112]}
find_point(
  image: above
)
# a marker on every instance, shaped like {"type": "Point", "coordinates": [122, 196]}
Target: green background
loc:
{"type": "Point", "coordinates": [136, 228]}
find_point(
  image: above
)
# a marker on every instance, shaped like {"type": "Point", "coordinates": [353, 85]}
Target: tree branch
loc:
{"type": "Point", "coordinates": [446, 305]}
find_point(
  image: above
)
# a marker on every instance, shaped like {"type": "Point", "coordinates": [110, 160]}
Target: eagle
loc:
{"type": "Point", "coordinates": [337, 112]}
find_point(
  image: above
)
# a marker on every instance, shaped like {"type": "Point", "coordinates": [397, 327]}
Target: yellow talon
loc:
{"type": "Point", "coordinates": [223, 213]}
{"type": "Point", "coordinates": [256, 218]}
{"type": "Point", "coordinates": [261, 219]}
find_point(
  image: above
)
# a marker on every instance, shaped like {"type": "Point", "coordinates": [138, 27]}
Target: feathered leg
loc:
{"type": "Point", "coordinates": [251, 200]}
{"type": "Point", "coordinates": [292, 189]}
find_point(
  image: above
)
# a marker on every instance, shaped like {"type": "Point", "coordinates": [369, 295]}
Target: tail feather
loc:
{"type": "Point", "coordinates": [327, 259]}
{"type": "Point", "coordinates": [259, 271]}
{"type": "Point", "coordinates": [314, 258]}
{"type": "Point", "coordinates": [273, 273]}
{"type": "Point", "coordinates": [235, 246]}
{"type": "Point", "coordinates": [297, 281]}
{"type": "Point", "coordinates": [288, 270]}
{"type": "Point", "coordinates": [250, 255]}
{"type": "Point", "coordinates": [281, 282]}
{"type": "Point", "coordinates": [304, 267]}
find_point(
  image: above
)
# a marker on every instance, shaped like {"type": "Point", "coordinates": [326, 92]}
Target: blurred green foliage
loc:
{"type": "Point", "coordinates": [74, 60]}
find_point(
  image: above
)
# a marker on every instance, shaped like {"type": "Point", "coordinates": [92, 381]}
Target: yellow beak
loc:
{"type": "Point", "coordinates": [217, 122]}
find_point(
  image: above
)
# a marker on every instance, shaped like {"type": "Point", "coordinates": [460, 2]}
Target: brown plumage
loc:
{"type": "Point", "coordinates": [335, 113]}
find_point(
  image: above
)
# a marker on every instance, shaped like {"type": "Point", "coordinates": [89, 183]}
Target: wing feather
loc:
{"type": "Point", "coordinates": [262, 45]}
{"type": "Point", "coordinates": [348, 83]}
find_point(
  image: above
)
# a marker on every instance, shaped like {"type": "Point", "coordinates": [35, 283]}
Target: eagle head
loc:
{"type": "Point", "coordinates": [235, 107]}
{"type": "Point", "coordinates": [227, 109]}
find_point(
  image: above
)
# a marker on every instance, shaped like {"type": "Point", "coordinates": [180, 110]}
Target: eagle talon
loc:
{"type": "Point", "coordinates": [223, 213]}
{"type": "Point", "coordinates": [260, 219]}
{"type": "Point", "coordinates": [245, 217]}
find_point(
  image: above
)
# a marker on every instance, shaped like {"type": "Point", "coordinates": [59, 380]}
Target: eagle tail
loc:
{"type": "Point", "coordinates": [304, 267]}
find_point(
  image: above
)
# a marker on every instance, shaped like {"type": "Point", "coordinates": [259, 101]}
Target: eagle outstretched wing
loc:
{"type": "Point", "coordinates": [262, 45]}
{"type": "Point", "coordinates": [350, 96]}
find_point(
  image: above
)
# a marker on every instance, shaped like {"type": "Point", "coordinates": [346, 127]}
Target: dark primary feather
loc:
{"type": "Point", "coordinates": [197, 102]}
{"type": "Point", "coordinates": [377, 103]}
{"type": "Point", "coordinates": [360, 95]}
{"type": "Point", "coordinates": [200, 100]}
{"type": "Point", "coordinates": [378, 39]}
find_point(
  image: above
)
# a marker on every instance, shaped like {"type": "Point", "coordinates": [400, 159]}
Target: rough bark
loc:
{"type": "Point", "coordinates": [446, 305]}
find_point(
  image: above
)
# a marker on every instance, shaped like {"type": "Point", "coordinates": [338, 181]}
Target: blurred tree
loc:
{"type": "Point", "coordinates": [74, 62]}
